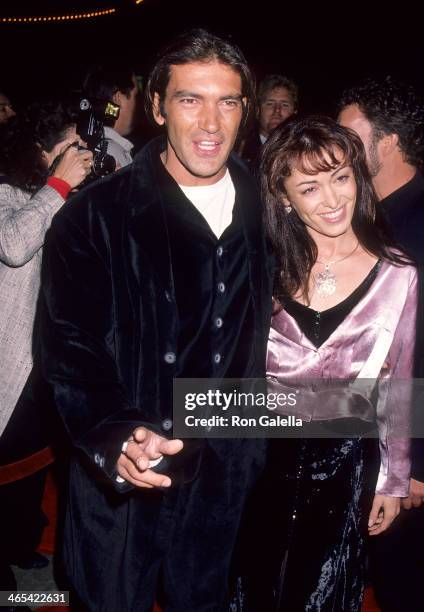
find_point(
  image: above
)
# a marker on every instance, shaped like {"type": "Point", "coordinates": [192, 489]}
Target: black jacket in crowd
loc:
{"type": "Point", "coordinates": [404, 210]}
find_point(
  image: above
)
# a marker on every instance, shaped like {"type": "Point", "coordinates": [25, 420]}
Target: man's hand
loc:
{"type": "Point", "coordinates": [143, 447]}
{"type": "Point", "coordinates": [416, 495]}
{"type": "Point", "coordinates": [383, 512]}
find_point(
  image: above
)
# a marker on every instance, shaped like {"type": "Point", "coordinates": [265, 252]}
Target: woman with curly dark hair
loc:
{"type": "Point", "coordinates": [342, 331]}
{"type": "Point", "coordinates": [40, 166]}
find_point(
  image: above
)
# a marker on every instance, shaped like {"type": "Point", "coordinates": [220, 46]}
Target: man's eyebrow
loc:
{"type": "Point", "coordinates": [237, 97]}
{"type": "Point", "coordinates": [185, 93]}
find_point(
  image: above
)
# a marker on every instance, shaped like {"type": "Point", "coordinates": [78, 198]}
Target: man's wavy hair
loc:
{"type": "Point", "coordinates": [392, 107]}
{"type": "Point", "coordinates": [311, 145]}
{"type": "Point", "coordinates": [198, 45]}
{"type": "Point", "coordinates": [271, 81]}
{"type": "Point", "coordinates": [24, 137]}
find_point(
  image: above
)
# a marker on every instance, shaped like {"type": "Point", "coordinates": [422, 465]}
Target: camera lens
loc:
{"type": "Point", "coordinates": [103, 164]}
{"type": "Point", "coordinates": [85, 104]}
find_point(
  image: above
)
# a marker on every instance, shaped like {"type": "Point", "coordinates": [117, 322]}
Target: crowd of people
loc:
{"type": "Point", "coordinates": [247, 241]}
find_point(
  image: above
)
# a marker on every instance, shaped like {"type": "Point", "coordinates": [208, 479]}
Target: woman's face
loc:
{"type": "Point", "coordinates": [325, 201]}
{"type": "Point", "coordinates": [69, 137]}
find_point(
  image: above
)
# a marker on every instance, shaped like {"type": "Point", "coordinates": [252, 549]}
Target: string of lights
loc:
{"type": "Point", "coordinates": [67, 17]}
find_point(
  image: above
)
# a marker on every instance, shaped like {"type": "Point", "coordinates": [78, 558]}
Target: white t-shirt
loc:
{"type": "Point", "coordinates": [215, 202]}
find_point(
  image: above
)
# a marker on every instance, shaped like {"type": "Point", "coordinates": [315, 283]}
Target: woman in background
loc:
{"type": "Point", "coordinates": [40, 164]}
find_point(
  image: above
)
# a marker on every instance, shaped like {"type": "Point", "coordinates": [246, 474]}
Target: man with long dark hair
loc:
{"type": "Point", "coordinates": [389, 118]}
{"type": "Point", "coordinates": [155, 273]}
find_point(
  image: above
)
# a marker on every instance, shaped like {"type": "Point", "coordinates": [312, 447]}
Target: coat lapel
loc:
{"type": "Point", "coordinates": [247, 194]}
{"type": "Point", "coordinates": [261, 267]}
{"type": "Point", "coordinates": [147, 223]}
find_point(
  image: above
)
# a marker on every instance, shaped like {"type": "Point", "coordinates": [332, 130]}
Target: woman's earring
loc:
{"type": "Point", "coordinates": [288, 209]}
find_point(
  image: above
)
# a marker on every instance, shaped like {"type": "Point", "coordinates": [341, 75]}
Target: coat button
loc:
{"type": "Point", "coordinates": [99, 460]}
{"type": "Point", "coordinates": [168, 296]}
{"type": "Point", "coordinates": [167, 424]}
{"type": "Point", "coordinates": [219, 251]}
{"type": "Point", "coordinates": [217, 357]}
{"type": "Point", "coordinates": [219, 322]}
{"type": "Point", "coordinates": [170, 357]}
{"type": "Point", "coordinates": [221, 287]}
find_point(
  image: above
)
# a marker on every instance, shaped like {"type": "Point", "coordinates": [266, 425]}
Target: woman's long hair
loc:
{"type": "Point", "coordinates": [24, 138]}
{"type": "Point", "coordinates": [315, 144]}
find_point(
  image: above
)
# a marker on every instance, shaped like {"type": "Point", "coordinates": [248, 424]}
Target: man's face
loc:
{"type": "Point", "coordinates": [202, 111]}
{"type": "Point", "coordinates": [276, 106]}
{"type": "Point", "coordinates": [6, 110]}
{"type": "Point", "coordinates": [352, 117]}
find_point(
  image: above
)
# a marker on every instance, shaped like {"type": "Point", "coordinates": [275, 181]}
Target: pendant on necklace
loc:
{"type": "Point", "coordinates": [326, 283]}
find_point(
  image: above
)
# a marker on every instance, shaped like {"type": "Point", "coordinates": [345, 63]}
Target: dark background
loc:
{"type": "Point", "coordinates": [322, 46]}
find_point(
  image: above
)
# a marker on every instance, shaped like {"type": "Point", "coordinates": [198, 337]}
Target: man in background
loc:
{"type": "Point", "coordinates": [6, 108]}
{"type": "Point", "coordinates": [389, 118]}
{"type": "Point", "coordinates": [119, 85]}
{"type": "Point", "coordinates": [277, 100]}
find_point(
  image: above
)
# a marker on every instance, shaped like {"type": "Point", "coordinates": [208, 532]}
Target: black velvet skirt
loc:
{"type": "Point", "coordinates": [302, 544]}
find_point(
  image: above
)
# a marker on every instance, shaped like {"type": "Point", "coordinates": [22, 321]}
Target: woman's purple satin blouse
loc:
{"type": "Point", "coordinates": [375, 341]}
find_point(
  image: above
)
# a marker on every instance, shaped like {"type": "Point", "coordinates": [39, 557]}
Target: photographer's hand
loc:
{"type": "Point", "coordinates": [74, 166]}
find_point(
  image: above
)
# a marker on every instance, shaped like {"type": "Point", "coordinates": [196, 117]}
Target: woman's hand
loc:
{"type": "Point", "coordinates": [74, 166]}
{"type": "Point", "coordinates": [383, 512]}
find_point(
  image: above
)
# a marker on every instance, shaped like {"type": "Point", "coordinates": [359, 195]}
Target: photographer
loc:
{"type": "Point", "coordinates": [41, 163]}
{"type": "Point", "coordinates": [118, 85]}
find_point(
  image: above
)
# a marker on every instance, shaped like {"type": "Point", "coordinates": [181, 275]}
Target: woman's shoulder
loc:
{"type": "Point", "coordinates": [401, 266]}
{"type": "Point", "coordinates": [9, 193]}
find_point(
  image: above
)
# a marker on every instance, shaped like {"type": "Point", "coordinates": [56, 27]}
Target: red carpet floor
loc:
{"type": "Point", "coordinates": [48, 546]}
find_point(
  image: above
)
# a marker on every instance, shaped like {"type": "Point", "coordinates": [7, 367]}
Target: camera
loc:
{"type": "Point", "coordinates": [92, 116]}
